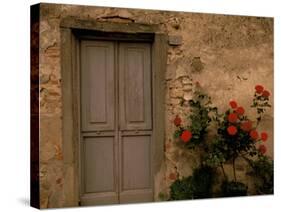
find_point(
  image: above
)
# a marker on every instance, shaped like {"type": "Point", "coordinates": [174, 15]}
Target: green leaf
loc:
{"type": "Point", "coordinates": [177, 133]}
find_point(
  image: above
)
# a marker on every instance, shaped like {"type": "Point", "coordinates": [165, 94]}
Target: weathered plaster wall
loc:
{"type": "Point", "coordinates": [228, 55]}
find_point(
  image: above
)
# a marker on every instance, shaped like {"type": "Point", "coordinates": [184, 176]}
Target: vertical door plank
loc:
{"type": "Point", "coordinates": [97, 87]}
{"type": "Point", "coordinates": [135, 86]}
{"type": "Point", "coordinates": [135, 122]}
{"type": "Point", "coordinates": [98, 147]}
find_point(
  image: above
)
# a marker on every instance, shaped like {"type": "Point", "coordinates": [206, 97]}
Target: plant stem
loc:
{"type": "Point", "coordinates": [258, 122]}
{"type": "Point", "coordinates": [223, 172]}
{"type": "Point", "coordinates": [234, 171]}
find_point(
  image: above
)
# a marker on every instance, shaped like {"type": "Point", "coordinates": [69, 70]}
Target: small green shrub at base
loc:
{"type": "Point", "coordinates": [182, 189]}
{"type": "Point", "coordinates": [197, 186]}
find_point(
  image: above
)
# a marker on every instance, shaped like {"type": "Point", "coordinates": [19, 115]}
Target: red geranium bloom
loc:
{"type": "Point", "coordinates": [254, 134]}
{"type": "Point", "coordinates": [264, 136]}
{"type": "Point", "coordinates": [259, 89]}
{"type": "Point", "coordinates": [177, 121]}
{"type": "Point", "coordinates": [262, 149]}
{"type": "Point", "coordinates": [246, 126]}
{"type": "Point", "coordinates": [265, 93]}
{"type": "Point", "coordinates": [232, 117]}
{"type": "Point", "coordinates": [233, 104]}
{"type": "Point", "coordinates": [232, 130]}
{"type": "Point", "coordinates": [186, 136]}
{"type": "Point", "coordinates": [240, 110]}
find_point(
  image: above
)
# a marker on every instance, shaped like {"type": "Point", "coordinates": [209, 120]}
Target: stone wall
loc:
{"type": "Point", "coordinates": [228, 55]}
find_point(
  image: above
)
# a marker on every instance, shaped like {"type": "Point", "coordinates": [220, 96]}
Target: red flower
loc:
{"type": "Point", "coordinates": [240, 110]}
{"type": "Point", "coordinates": [233, 104]}
{"type": "Point", "coordinates": [264, 136]}
{"type": "Point", "coordinates": [262, 149]}
{"type": "Point", "coordinates": [177, 121]}
{"type": "Point", "coordinates": [265, 93]}
{"type": "Point", "coordinates": [232, 117]}
{"type": "Point", "coordinates": [246, 126]}
{"type": "Point", "coordinates": [186, 136]}
{"type": "Point", "coordinates": [254, 134]}
{"type": "Point", "coordinates": [232, 130]}
{"type": "Point", "coordinates": [259, 89]}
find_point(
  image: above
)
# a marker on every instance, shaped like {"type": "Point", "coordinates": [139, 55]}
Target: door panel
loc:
{"type": "Point", "coordinates": [99, 164]}
{"type": "Point", "coordinates": [99, 184]}
{"type": "Point", "coordinates": [135, 86]}
{"type": "Point", "coordinates": [136, 164]}
{"type": "Point", "coordinates": [97, 87]}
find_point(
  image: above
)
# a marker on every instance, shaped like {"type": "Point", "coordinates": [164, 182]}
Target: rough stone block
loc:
{"type": "Point", "coordinates": [175, 40]}
{"type": "Point", "coordinates": [176, 93]}
{"type": "Point", "coordinates": [180, 72]}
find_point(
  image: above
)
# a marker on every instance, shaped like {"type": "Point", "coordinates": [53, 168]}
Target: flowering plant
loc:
{"type": "Point", "coordinates": [199, 118]}
{"type": "Point", "coordinates": [236, 134]}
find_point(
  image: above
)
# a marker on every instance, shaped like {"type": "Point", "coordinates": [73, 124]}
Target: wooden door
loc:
{"type": "Point", "coordinates": [116, 122]}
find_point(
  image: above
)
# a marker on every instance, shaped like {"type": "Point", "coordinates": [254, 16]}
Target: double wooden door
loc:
{"type": "Point", "coordinates": [116, 122]}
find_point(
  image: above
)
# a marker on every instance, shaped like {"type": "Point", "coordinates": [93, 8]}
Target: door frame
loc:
{"type": "Point", "coordinates": [72, 30]}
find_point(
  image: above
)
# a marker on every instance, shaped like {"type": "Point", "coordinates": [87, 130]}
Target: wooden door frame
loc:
{"type": "Point", "coordinates": [72, 30]}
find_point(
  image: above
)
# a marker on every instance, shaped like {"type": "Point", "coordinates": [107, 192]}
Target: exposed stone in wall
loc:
{"type": "Point", "coordinates": [228, 55]}
{"type": "Point", "coordinates": [196, 64]}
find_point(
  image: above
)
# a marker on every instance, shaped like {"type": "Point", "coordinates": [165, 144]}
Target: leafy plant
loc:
{"type": "Point", "coordinates": [182, 189]}
{"type": "Point", "coordinates": [197, 186]}
{"type": "Point", "coordinates": [203, 179]}
{"type": "Point", "coordinates": [236, 136]}
{"type": "Point", "coordinates": [260, 101]}
{"type": "Point", "coordinates": [263, 172]}
{"type": "Point", "coordinates": [200, 117]}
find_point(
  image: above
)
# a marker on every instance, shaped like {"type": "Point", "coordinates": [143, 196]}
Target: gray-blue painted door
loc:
{"type": "Point", "coordinates": [116, 122]}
